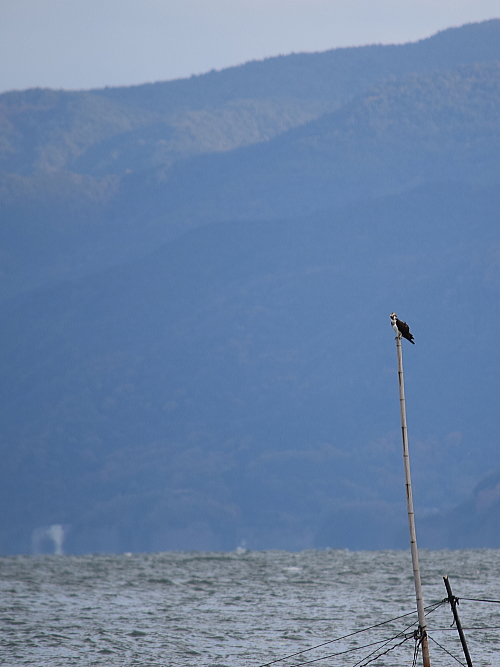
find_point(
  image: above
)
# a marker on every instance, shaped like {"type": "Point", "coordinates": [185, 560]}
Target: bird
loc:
{"type": "Point", "coordinates": [401, 328]}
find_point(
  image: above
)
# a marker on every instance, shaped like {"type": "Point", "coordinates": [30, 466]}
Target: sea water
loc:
{"type": "Point", "coordinates": [243, 609]}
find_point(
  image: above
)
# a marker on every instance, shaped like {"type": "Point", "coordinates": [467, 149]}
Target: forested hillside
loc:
{"type": "Point", "coordinates": [93, 178]}
{"type": "Point", "coordinates": [197, 277]}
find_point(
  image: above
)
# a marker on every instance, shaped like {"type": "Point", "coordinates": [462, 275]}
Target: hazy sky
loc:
{"type": "Point", "coordinates": [94, 43]}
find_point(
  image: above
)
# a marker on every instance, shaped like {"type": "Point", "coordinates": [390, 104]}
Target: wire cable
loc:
{"type": "Point", "coordinates": [403, 633]}
{"type": "Point", "coordinates": [474, 627]}
{"type": "Point", "coordinates": [379, 655]}
{"type": "Point", "coordinates": [431, 607]}
{"type": "Point", "coordinates": [446, 651]}
{"type": "Point", "coordinates": [434, 606]}
{"type": "Point", "coordinates": [365, 661]}
{"type": "Point", "coordinates": [349, 650]}
{"type": "Point", "coordinates": [480, 600]}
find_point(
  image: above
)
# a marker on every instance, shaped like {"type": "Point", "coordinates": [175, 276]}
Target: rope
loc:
{"type": "Point", "coordinates": [435, 606]}
{"type": "Point", "coordinates": [391, 648]}
{"type": "Point", "coordinates": [349, 650]}
{"type": "Point", "coordinates": [351, 634]}
{"type": "Point", "coordinates": [479, 600]}
{"type": "Point", "coordinates": [446, 651]}
{"type": "Point", "coordinates": [474, 627]}
{"type": "Point", "coordinates": [415, 654]}
{"type": "Point", "coordinates": [401, 634]}
{"type": "Point", "coordinates": [358, 664]}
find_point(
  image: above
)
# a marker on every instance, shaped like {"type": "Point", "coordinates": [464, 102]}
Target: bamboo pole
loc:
{"type": "Point", "coordinates": [411, 515]}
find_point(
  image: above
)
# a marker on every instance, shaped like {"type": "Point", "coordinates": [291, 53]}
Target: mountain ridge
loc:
{"type": "Point", "coordinates": [421, 127]}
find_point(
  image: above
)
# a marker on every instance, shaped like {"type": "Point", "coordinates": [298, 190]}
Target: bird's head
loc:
{"type": "Point", "coordinates": [394, 316]}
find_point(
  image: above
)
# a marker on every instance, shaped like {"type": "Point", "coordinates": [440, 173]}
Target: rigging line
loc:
{"type": "Point", "coordinates": [446, 651]}
{"type": "Point", "coordinates": [391, 648]}
{"type": "Point", "coordinates": [436, 606]}
{"type": "Point", "coordinates": [362, 662]}
{"type": "Point", "coordinates": [415, 654]}
{"type": "Point", "coordinates": [389, 640]}
{"type": "Point", "coordinates": [474, 627]}
{"type": "Point", "coordinates": [351, 634]}
{"type": "Point", "coordinates": [365, 661]}
{"type": "Point", "coordinates": [479, 600]}
{"type": "Point", "coordinates": [349, 650]}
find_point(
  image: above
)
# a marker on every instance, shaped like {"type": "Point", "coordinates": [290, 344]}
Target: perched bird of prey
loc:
{"type": "Point", "coordinates": [401, 328]}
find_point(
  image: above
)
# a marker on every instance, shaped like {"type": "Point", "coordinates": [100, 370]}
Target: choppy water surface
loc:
{"type": "Point", "coordinates": [238, 609]}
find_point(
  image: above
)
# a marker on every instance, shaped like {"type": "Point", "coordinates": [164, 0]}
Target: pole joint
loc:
{"type": "Point", "coordinates": [452, 600]}
{"type": "Point", "coordinates": [420, 634]}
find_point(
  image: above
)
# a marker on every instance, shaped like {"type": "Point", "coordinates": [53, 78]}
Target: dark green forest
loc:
{"type": "Point", "coordinates": [197, 277]}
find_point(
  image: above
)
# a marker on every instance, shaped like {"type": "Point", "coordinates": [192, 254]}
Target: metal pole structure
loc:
{"type": "Point", "coordinates": [411, 516]}
{"type": "Point", "coordinates": [453, 602]}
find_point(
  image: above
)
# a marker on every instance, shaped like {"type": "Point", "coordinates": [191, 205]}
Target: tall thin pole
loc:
{"type": "Point", "coordinates": [453, 602]}
{"type": "Point", "coordinates": [411, 516]}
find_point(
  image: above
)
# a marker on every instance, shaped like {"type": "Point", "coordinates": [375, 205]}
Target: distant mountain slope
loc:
{"type": "Point", "coordinates": [240, 382]}
{"type": "Point", "coordinates": [334, 75]}
{"type": "Point", "coordinates": [418, 128]}
{"type": "Point", "coordinates": [142, 126]}
{"type": "Point", "coordinates": [84, 132]}
{"type": "Point", "coordinates": [41, 130]}
{"type": "Point", "coordinates": [196, 282]}
{"type": "Point", "coordinates": [475, 522]}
